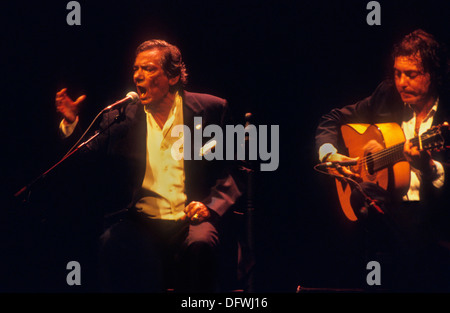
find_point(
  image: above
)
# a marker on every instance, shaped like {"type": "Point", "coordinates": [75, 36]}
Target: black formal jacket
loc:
{"type": "Point", "coordinates": [117, 157]}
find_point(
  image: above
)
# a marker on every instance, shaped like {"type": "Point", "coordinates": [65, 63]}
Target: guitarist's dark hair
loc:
{"type": "Point", "coordinates": [432, 53]}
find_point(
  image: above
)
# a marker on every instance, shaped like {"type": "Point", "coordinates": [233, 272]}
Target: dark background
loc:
{"type": "Point", "coordinates": [287, 62]}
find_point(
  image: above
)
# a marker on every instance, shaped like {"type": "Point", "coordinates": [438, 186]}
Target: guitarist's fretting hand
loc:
{"type": "Point", "coordinates": [420, 160]}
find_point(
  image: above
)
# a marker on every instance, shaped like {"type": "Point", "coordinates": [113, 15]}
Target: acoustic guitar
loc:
{"type": "Point", "coordinates": [388, 167]}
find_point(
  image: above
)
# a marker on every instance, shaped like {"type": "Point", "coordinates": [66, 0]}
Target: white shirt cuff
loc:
{"type": "Point", "coordinates": [66, 128]}
{"type": "Point", "coordinates": [325, 149]}
{"type": "Point", "coordinates": [440, 173]}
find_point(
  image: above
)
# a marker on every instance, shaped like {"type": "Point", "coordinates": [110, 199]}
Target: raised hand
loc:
{"type": "Point", "coordinates": [68, 108]}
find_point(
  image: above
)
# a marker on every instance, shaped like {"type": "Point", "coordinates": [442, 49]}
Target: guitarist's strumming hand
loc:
{"type": "Point", "coordinates": [342, 170]}
{"type": "Point", "coordinates": [372, 146]}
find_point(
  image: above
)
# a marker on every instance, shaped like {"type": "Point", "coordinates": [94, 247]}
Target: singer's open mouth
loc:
{"type": "Point", "coordinates": [142, 91]}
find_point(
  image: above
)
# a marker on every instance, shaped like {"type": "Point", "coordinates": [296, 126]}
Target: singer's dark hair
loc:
{"type": "Point", "coordinates": [171, 61]}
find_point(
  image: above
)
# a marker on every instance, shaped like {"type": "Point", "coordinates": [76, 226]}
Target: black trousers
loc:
{"type": "Point", "coordinates": [404, 241]}
{"type": "Point", "coordinates": [138, 254]}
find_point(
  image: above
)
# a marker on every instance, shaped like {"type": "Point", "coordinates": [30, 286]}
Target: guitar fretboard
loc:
{"type": "Point", "coordinates": [389, 156]}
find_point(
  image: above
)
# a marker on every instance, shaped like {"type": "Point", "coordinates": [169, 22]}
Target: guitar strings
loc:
{"type": "Point", "coordinates": [388, 154]}
{"type": "Point", "coordinates": [392, 150]}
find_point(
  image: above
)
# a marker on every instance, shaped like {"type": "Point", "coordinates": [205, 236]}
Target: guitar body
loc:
{"type": "Point", "coordinates": [394, 178]}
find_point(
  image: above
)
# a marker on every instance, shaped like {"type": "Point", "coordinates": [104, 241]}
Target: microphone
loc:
{"type": "Point", "coordinates": [131, 97]}
{"type": "Point", "coordinates": [336, 164]}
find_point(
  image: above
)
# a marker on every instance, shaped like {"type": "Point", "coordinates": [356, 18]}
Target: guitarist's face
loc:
{"type": "Point", "coordinates": [412, 83]}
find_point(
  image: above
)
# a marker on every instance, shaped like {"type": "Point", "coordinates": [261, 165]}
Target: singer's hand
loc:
{"type": "Point", "coordinates": [66, 106]}
{"type": "Point", "coordinates": [343, 170]}
{"type": "Point", "coordinates": [196, 212]}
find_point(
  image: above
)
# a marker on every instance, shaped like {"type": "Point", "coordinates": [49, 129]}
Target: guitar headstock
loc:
{"type": "Point", "coordinates": [437, 137]}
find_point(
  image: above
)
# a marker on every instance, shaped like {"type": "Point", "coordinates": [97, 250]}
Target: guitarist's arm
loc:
{"type": "Point", "coordinates": [382, 106]}
{"type": "Point", "coordinates": [328, 153]}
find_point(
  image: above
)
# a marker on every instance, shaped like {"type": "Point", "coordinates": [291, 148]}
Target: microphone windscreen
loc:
{"type": "Point", "coordinates": [133, 95]}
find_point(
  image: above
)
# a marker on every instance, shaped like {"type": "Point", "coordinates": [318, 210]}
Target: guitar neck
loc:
{"type": "Point", "coordinates": [389, 156]}
{"type": "Point", "coordinates": [386, 157]}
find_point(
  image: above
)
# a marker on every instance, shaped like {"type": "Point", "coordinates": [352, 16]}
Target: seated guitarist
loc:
{"type": "Point", "coordinates": [414, 99]}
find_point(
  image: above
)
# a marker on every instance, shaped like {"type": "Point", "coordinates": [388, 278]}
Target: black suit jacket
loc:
{"type": "Point", "coordinates": [118, 155]}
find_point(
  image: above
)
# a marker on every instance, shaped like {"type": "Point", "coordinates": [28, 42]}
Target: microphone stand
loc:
{"type": "Point", "coordinates": [27, 188]}
{"type": "Point", "coordinates": [250, 208]}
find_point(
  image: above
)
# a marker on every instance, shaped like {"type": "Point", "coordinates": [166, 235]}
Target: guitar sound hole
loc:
{"type": "Point", "coordinates": [370, 164]}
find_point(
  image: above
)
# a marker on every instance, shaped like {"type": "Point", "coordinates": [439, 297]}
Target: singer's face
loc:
{"type": "Point", "coordinates": [151, 81]}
